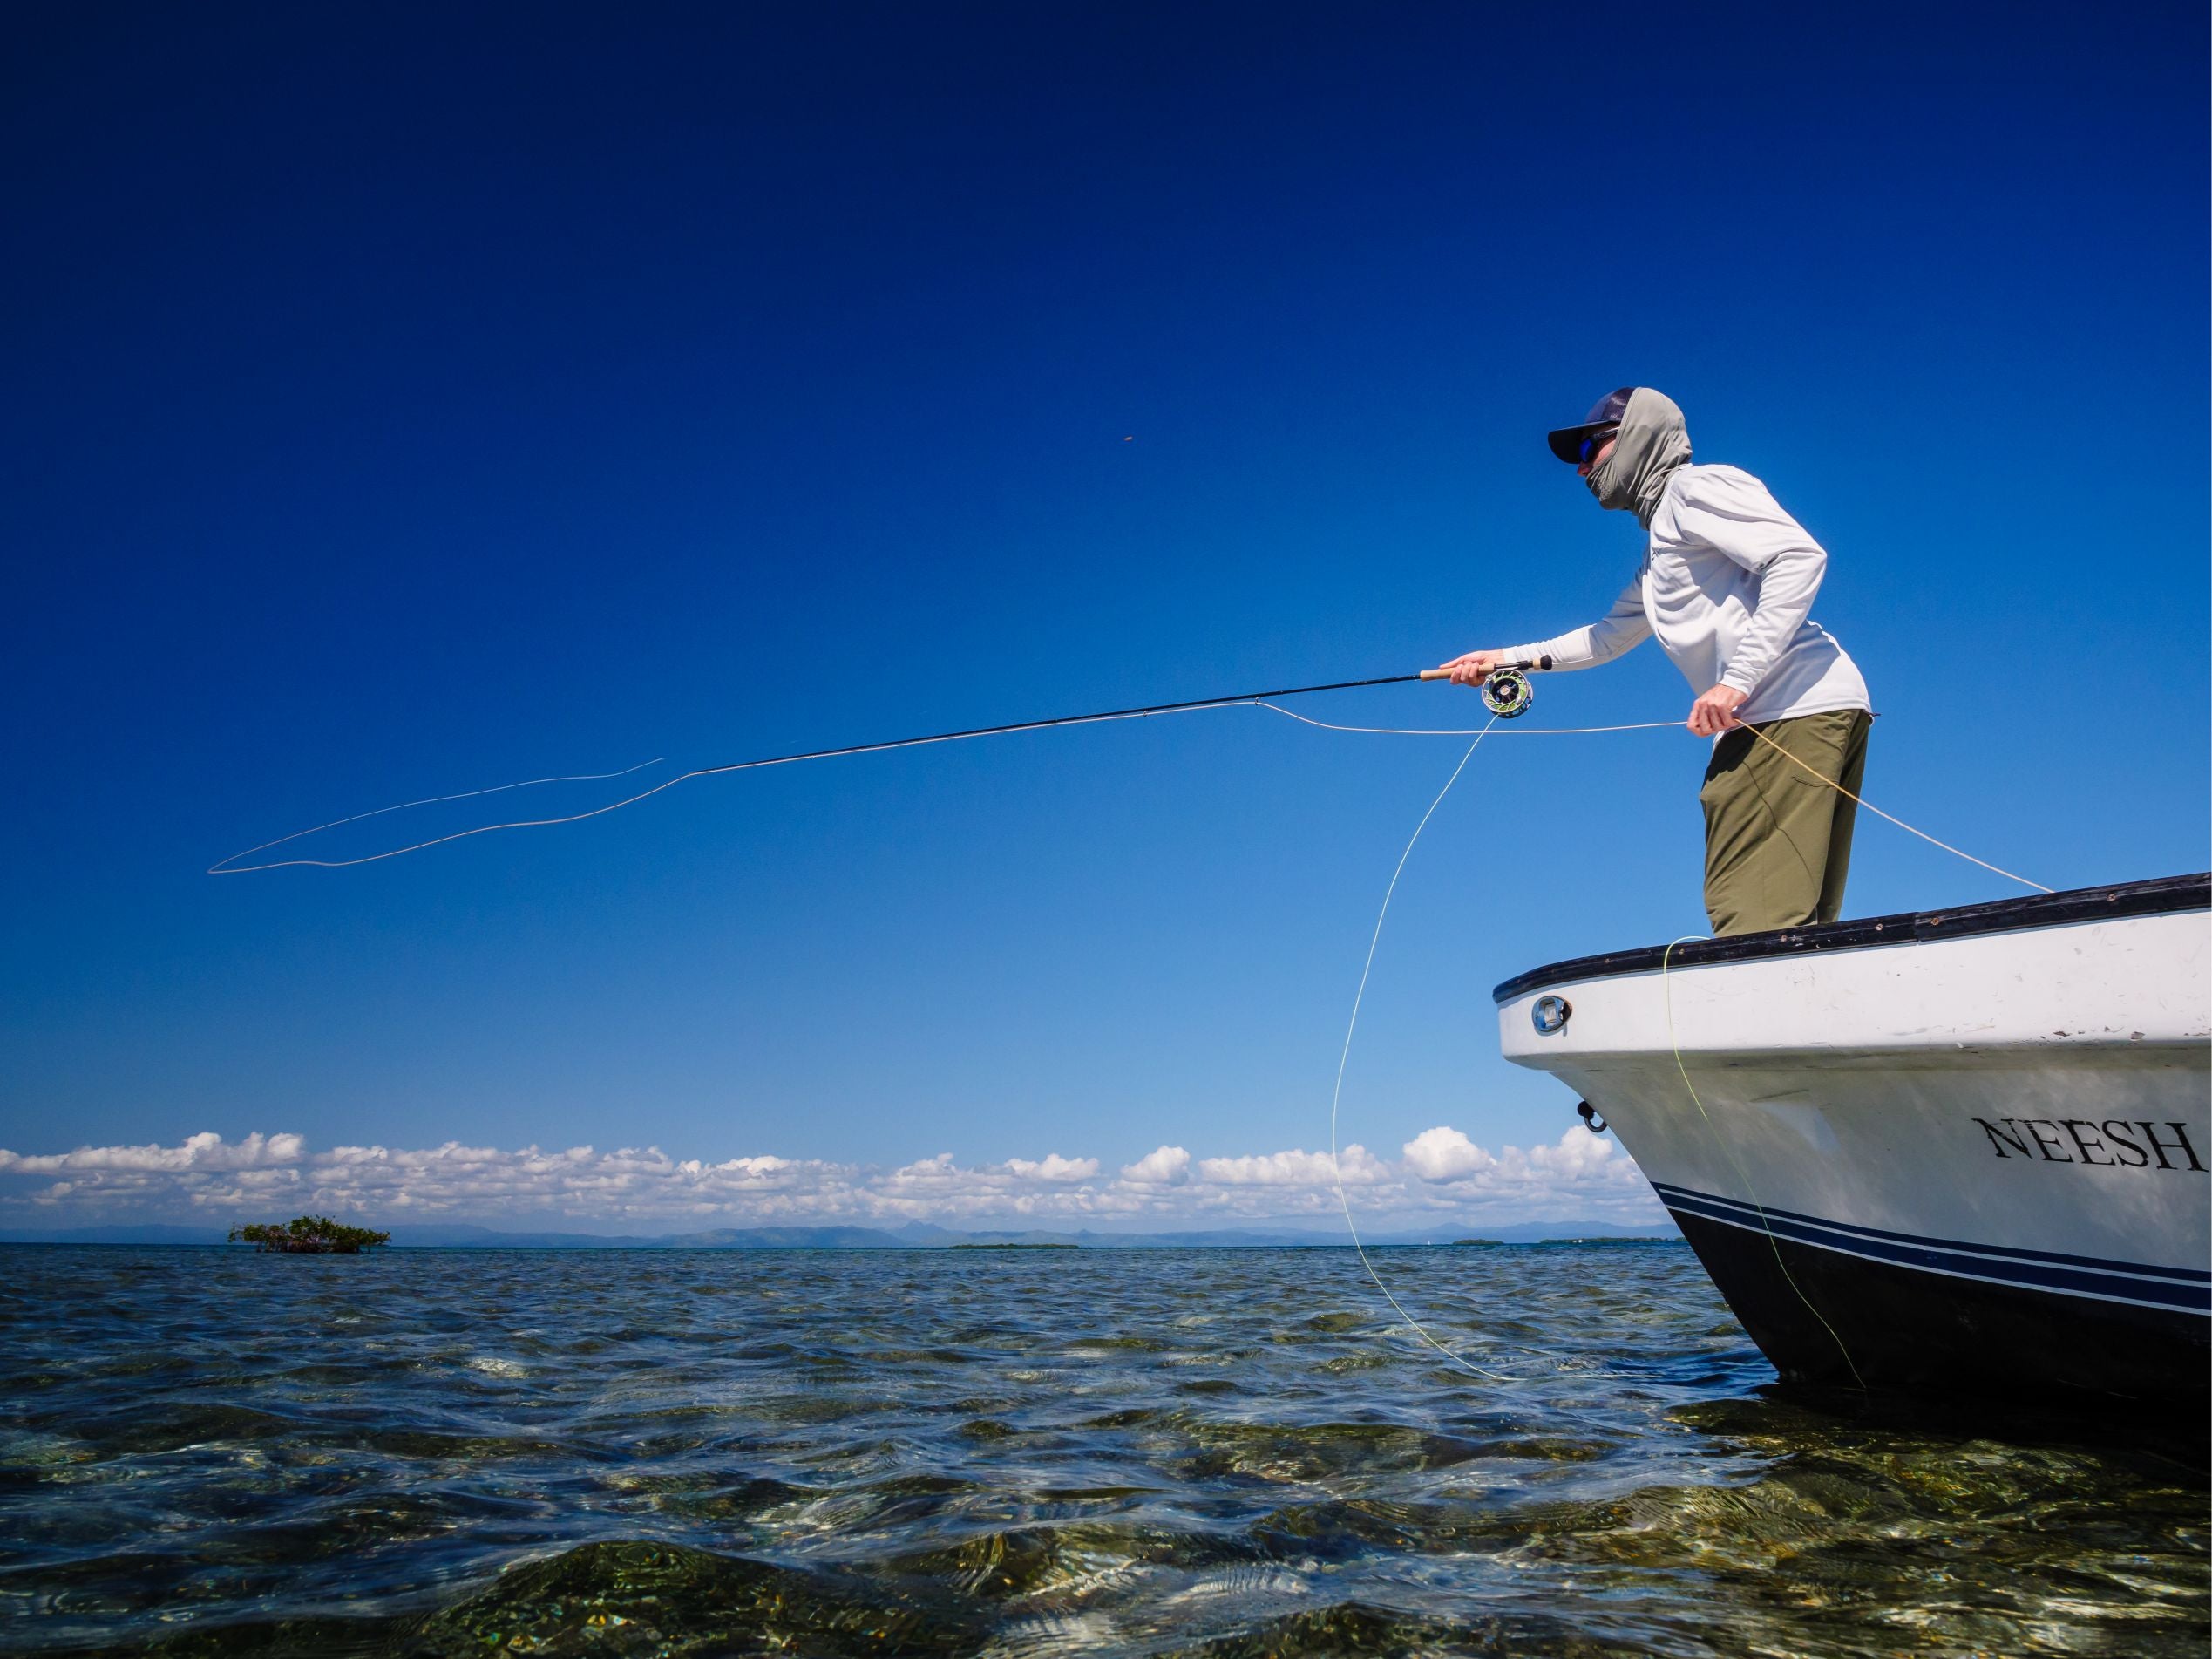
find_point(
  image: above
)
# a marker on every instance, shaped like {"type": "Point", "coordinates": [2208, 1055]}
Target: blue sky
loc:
{"type": "Point", "coordinates": [414, 399]}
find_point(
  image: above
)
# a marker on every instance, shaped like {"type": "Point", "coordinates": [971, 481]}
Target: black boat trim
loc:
{"type": "Point", "coordinates": [1836, 1320]}
{"type": "Point", "coordinates": [2166, 895]}
{"type": "Point", "coordinates": [2188, 1289]}
{"type": "Point", "coordinates": [2188, 1275]}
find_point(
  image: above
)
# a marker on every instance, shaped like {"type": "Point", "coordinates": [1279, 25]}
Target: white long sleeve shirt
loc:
{"type": "Point", "coordinates": [1727, 584]}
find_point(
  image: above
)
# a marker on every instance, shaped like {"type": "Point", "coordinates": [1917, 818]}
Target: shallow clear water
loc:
{"type": "Point", "coordinates": [1023, 1452]}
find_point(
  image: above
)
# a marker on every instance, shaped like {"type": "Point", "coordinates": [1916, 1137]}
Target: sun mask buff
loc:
{"type": "Point", "coordinates": [1652, 441]}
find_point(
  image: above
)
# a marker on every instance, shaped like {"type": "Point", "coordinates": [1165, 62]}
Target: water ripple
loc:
{"type": "Point", "coordinates": [1029, 1453]}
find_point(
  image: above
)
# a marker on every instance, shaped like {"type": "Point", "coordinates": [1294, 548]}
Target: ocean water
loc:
{"type": "Point", "coordinates": [1222, 1452]}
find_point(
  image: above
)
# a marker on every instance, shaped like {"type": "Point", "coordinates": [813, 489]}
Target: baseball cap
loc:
{"type": "Point", "coordinates": [1566, 443]}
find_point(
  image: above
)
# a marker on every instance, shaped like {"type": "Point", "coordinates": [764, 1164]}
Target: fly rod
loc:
{"type": "Point", "coordinates": [1511, 698]}
{"type": "Point", "coordinates": [1506, 691]}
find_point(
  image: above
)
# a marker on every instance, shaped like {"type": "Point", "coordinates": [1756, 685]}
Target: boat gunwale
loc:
{"type": "Point", "coordinates": [2163, 895]}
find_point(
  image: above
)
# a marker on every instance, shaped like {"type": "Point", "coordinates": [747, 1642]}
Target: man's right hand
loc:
{"type": "Point", "coordinates": [1474, 668]}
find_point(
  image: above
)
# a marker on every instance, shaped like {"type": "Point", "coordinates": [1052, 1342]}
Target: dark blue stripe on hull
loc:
{"type": "Point", "coordinates": [1848, 1320]}
{"type": "Point", "coordinates": [2185, 1290]}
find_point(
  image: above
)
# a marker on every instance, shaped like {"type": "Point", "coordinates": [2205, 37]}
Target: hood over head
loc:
{"type": "Point", "coordinates": [1652, 441]}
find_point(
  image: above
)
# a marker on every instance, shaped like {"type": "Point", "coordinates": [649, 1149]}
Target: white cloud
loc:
{"type": "Point", "coordinates": [1162, 1166]}
{"type": "Point", "coordinates": [1293, 1169]}
{"type": "Point", "coordinates": [202, 1151]}
{"type": "Point", "coordinates": [1442, 1154]}
{"type": "Point", "coordinates": [1055, 1168]}
{"type": "Point", "coordinates": [1442, 1176]}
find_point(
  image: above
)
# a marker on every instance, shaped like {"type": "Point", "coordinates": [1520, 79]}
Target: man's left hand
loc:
{"type": "Point", "coordinates": [1715, 711]}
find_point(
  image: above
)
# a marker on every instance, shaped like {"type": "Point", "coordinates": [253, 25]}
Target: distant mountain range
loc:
{"type": "Point", "coordinates": [914, 1236]}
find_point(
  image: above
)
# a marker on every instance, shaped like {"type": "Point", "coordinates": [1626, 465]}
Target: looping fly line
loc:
{"type": "Point", "coordinates": [1452, 1357]}
{"type": "Point", "coordinates": [230, 865]}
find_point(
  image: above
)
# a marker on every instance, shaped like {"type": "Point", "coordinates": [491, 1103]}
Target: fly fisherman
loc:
{"type": "Point", "coordinates": [1727, 583]}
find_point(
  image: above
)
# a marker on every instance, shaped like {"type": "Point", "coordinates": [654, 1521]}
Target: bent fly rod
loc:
{"type": "Point", "coordinates": [1506, 692]}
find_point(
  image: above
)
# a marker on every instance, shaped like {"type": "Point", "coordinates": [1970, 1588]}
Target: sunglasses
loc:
{"type": "Point", "coordinates": [1595, 442]}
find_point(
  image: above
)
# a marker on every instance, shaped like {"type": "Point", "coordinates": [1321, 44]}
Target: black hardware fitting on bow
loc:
{"type": "Point", "coordinates": [1591, 1120]}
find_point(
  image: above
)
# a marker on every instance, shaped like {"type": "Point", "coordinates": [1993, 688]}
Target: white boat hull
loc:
{"type": "Point", "coordinates": [1960, 1151]}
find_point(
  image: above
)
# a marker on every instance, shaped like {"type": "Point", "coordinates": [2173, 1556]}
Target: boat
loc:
{"type": "Point", "coordinates": [1956, 1152]}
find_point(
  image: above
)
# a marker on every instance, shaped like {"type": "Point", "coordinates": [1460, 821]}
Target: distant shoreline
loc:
{"type": "Point", "coordinates": [1092, 1243]}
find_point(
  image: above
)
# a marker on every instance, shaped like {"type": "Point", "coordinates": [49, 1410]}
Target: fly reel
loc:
{"type": "Point", "coordinates": [1508, 694]}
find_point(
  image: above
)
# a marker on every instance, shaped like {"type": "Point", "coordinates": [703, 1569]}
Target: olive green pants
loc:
{"type": "Point", "coordinates": [1777, 838]}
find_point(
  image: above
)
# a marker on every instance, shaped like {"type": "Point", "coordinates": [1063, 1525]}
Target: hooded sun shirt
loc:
{"type": "Point", "coordinates": [1727, 583]}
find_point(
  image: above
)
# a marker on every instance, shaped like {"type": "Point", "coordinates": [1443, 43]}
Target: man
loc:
{"type": "Point", "coordinates": [1727, 583]}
